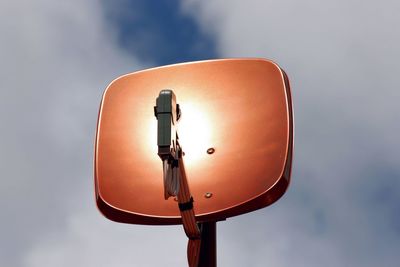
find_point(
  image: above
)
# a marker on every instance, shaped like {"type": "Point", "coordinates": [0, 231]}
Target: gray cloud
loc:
{"type": "Point", "coordinates": [56, 59]}
{"type": "Point", "coordinates": [341, 57]}
{"type": "Point", "coordinates": [342, 208]}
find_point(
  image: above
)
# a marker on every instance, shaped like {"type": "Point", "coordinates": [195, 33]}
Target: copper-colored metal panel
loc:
{"type": "Point", "coordinates": [239, 107]}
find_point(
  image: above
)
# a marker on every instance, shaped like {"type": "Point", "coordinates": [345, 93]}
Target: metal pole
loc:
{"type": "Point", "coordinates": [208, 249]}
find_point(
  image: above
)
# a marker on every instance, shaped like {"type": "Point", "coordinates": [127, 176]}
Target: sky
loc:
{"type": "Point", "coordinates": [57, 57]}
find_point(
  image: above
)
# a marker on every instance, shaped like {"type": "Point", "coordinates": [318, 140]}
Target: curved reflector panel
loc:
{"type": "Point", "coordinates": [237, 109]}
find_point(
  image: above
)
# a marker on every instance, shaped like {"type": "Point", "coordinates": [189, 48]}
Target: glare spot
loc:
{"type": "Point", "coordinates": [195, 132]}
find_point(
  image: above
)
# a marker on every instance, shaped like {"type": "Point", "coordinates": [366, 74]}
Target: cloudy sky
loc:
{"type": "Point", "coordinates": [56, 58]}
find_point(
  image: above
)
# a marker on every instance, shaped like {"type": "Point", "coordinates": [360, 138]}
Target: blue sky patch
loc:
{"type": "Point", "coordinates": [158, 32]}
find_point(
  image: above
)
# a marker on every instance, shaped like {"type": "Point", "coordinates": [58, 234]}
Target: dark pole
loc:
{"type": "Point", "coordinates": [208, 249]}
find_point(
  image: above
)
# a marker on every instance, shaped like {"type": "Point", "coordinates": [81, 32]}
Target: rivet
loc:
{"type": "Point", "coordinates": [211, 150]}
{"type": "Point", "coordinates": [208, 195]}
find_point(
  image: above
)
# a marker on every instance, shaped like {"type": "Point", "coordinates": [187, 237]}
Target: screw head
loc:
{"type": "Point", "coordinates": [211, 150]}
{"type": "Point", "coordinates": [208, 195]}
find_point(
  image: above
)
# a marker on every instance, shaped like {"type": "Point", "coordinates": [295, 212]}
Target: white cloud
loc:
{"type": "Point", "coordinates": [341, 58]}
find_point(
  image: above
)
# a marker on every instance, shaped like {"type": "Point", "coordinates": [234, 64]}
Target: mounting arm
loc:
{"type": "Point", "coordinates": [176, 184]}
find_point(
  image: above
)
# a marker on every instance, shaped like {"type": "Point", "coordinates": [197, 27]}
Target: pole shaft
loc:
{"type": "Point", "coordinates": [208, 249]}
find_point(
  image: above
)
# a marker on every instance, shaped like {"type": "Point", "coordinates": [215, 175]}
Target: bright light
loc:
{"type": "Point", "coordinates": [152, 139]}
{"type": "Point", "coordinates": [194, 130]}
